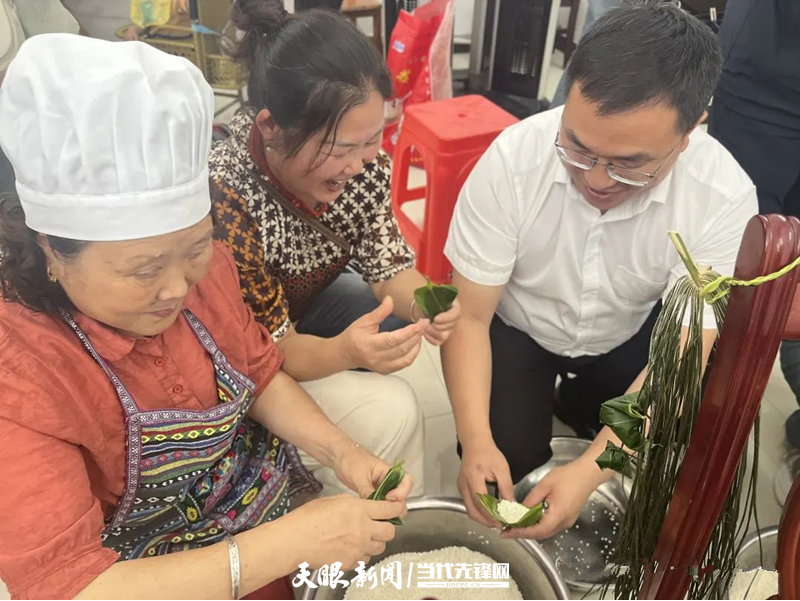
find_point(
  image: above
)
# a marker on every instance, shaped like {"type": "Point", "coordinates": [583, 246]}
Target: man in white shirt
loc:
{"type": "Point", "coordinates": [560, 250]}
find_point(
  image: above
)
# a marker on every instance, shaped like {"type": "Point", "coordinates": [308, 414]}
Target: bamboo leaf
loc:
{"type": "Point", "coordinates": [433, 299]}
{"type": "Point", "coordinates": [613, 458]}
{"type": "Point", "coordinates": [630, 404]}
{"type": "Point", "coordinates": [490, 504]}
{"type": "Point", "coordinates": [683, 252]}
{"type": "Point", "coordinates": [533, 515]}
{"type": "Point", "coordinates": [390, 481]}
{"type": "Point", "coordinates": [626, 419]}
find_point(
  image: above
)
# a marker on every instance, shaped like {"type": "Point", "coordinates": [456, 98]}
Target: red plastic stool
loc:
{"type": "Point", "coordinates": [450, 136]}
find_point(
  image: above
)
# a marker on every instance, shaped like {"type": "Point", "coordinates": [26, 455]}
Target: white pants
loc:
{"type": "Point", "coordinates": [381, 413]}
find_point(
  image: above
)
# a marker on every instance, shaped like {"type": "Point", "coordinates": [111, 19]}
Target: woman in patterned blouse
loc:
{"type": "Point", "coordinates": [313, 129]}
{"type": "Point", "coordinates": [312, 132]}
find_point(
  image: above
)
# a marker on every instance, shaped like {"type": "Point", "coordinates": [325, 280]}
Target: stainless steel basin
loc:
{"type": "Point", "coordinates": [436, 522]}
{"type": "Point", "coordinates": [749, 556]}
{"type": "Point", "coordinates": [583, 552]}
{"type": "Point", "coordinates": [752, 556]}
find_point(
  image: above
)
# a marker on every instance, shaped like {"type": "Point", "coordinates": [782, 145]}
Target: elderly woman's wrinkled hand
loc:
{"type": "Point", "coordinates": [361, 472]}
{"type": "Point", "coordinates": [341, 529]}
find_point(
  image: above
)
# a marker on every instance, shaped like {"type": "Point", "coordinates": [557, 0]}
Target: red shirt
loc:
{"type": "Point", "coordinates": [62, 428]}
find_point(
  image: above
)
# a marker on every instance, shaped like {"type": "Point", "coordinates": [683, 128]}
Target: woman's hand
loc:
{"type": "Point", "coordinates": [361, 472]}
{"type": "Point", "coordinates": [438, 331]}
{"type": "Point", "coordinates": [381, 352]}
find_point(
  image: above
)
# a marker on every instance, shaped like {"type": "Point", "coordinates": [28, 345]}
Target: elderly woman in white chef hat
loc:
{"type": "Point", "coordinates": [145, 425]}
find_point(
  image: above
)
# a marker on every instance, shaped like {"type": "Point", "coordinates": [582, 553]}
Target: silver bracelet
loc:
{"type": "Point", "coordinates": [413, 304]}
{"type": "Point", "coordinates": [233, 559]}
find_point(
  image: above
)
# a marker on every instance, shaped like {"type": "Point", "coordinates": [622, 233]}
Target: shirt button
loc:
{"type": "Point", "coordinates": [177, 389]}
{"type": "Point", "coordinates": [160, 362]}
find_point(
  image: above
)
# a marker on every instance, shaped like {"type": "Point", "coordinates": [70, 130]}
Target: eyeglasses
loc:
{"type": "Point", "coordinates": [630, 177]}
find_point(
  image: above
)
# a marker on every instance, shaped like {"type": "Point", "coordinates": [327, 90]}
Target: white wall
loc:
{"type": "Point", "coordinates": [463, 26]}
{"type": "Point", "coordinates": [100, 18]}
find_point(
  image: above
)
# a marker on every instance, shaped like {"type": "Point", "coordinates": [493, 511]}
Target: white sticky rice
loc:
{"type": "Point", "coordinates": [511, 512]}
{"type": "Point", "coordinates": [756, 584]}
{"type": "Point", "coordinates": [451, 555]}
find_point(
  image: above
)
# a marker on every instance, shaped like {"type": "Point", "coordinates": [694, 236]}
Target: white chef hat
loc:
{"type": "Point", "coordinates": [109, 141]}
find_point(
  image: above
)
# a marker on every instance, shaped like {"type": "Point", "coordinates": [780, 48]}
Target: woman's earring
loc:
{"type": "Point", "coordinates": [50, 276]}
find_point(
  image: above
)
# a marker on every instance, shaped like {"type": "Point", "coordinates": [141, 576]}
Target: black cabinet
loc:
{"type": "Point", "coordinates": [520, 46]}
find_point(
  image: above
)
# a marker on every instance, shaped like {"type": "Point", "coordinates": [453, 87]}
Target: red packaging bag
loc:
{"type": "Point", "coordinates": [435, 82]}
{"type": "Point", "coordinates": [419, 62]}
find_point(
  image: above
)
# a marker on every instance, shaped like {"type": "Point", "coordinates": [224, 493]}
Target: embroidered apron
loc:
{"type": "Point", "coordinates": [193, 477]}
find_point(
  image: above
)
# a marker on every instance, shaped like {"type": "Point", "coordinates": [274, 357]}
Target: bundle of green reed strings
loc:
{"type": "Point", "coordinates": [671, 396]}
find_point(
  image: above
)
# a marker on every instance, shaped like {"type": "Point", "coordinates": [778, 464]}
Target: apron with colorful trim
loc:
{"type": "Point", "coordinates": [193, 477]}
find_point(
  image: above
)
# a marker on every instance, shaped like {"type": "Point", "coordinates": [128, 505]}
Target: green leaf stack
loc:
{"type": "Point", "coordinates": [626, 419]}
{"type": "Point", "coordinates": [433, 299]}
{"type": "Point", "coordinates": [613, 458]}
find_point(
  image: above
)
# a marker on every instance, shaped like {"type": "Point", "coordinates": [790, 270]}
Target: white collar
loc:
{"type": "Point", "coordinates": [634, 206]}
